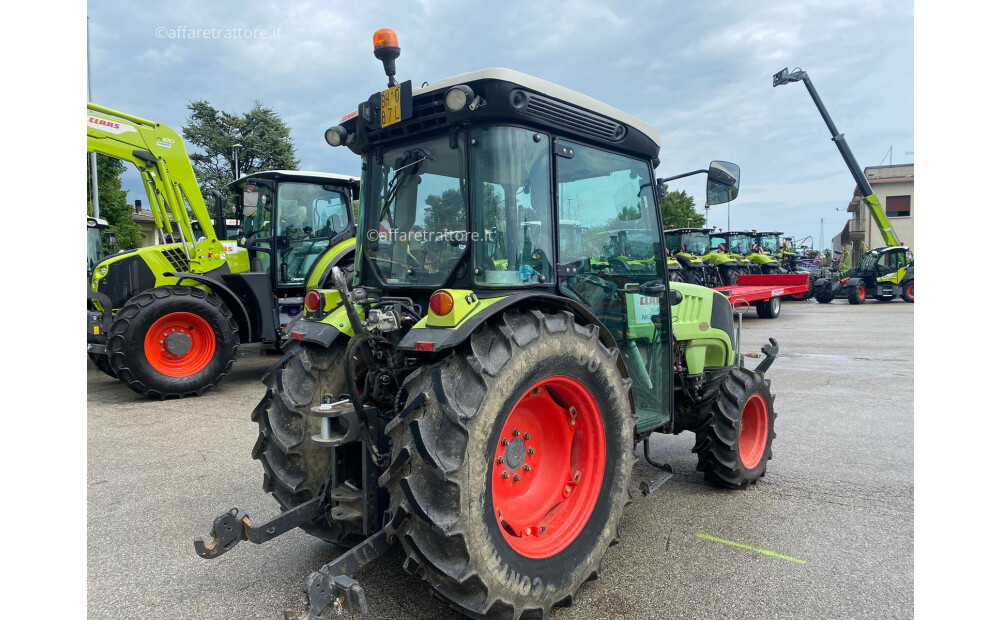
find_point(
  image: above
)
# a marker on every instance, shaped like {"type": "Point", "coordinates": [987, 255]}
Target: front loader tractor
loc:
{"type": "Point", "coordinates": [686, 246]}
{"type": "Point", "coordinates": [477, 393]}
{"type": "Point", "coordinates": [167, 319]}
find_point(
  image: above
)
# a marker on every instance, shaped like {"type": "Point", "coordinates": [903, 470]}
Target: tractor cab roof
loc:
{"type": "Point", "coordinates": [302, 176]}
{"type": "Point", "coordinates": [506, 96]}
{"type": "Point", "coordinates": [684, 230]}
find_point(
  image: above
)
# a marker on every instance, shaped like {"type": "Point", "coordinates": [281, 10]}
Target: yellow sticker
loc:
{"type": "Point", "coordinates": [97, 330]}
{"type": "Point", "coordinates": [703, 327]}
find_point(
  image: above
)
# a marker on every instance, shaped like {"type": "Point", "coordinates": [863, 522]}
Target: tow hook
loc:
{"type": "Point", "coordinates": [770, 352]}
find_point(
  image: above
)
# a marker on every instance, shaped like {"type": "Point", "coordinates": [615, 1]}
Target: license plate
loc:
{"type": "Point", "coordinates": [392, 111]}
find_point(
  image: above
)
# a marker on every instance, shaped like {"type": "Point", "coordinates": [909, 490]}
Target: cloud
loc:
{"type": "Point", "coordinates": [698, 72]}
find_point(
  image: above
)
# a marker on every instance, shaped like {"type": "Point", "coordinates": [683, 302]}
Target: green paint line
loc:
{"type": "Point", "coordinates": [773, 554]}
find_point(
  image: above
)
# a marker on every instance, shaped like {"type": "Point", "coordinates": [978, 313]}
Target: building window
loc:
{"type": "Point", "coordinates": [897, 206]}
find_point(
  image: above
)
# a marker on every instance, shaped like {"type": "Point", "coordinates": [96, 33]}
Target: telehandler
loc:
{"type": "Point", "coordinates": [167, 320]}
{"type": "Point", "coordinates": [483, 418]}
{"type": "Point", "coordinates": [884, 273]}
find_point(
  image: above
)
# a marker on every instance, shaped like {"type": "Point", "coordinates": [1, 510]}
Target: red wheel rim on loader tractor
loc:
{"type": "Point", "coordinates": [861, 292]}
{"type": "Point", "coordinates": [179, 344]}
{"type": "Point", "coordinates": [548, 467]}
{"type": "Point", "coordinates": [753, 434]}
{"type": "Point", "coordinates": [909, 291]}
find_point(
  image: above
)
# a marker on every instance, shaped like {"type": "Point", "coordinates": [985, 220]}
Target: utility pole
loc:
{"type": "Point", "coordinates": [822, 239]}
{"type": "Point", "coordinates": [93, 155]}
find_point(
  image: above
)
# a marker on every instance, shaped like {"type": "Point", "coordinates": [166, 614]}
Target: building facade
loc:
{"type": "Point", "coordinates": [895, 190]}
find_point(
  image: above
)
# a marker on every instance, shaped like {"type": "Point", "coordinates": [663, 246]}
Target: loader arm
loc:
{"type": "Point", "coordinates": [867, 193]}
{"type": "Point", "coordinates": [158, 152]}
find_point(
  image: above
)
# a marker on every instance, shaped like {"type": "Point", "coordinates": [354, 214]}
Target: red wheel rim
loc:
{"type": "Point", "coordinates": [179, 344]}
{"type": "Point", "coordinates": [909, 291]}
{"type": "Point", "coordinates": [548, 467]}
{"type": "Point", "coordinates": [861, 292]}
{"type": "Point", "coordinates": [798, 296]}
{"type": "Point", "coordinates": [754, 431]}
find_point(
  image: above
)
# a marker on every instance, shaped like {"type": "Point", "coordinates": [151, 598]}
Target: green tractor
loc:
{"type": "Point", "coordinates": [485, 417]}
{"type": "Point", "coordinates": [167, 320]}
{"type": "Point", "coordinates": [730, 264]}
{"type": "Point", "coordinates": [685, 248]}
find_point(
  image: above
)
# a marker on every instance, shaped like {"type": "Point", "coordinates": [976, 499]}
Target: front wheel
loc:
{"type": "Point", "coordinates": [734, 447]}
{"type": "Point", "coordinates": [173, 341]}
{"type": "Point", "coordinates": [856, 294]}
{"type": "Point", "coordinates": [511, 465]}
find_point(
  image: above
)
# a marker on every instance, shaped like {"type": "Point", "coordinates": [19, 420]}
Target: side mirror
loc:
{"type": "Point", "coordinates": [111, 241]}
{"type": "Point", "coordinates": [250, 196]}
{"type": "Point", "coordinates": [723, 182]}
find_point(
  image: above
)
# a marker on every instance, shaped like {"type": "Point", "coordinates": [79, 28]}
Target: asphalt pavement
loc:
{"type": "Point", "coordinates": [828, 533]}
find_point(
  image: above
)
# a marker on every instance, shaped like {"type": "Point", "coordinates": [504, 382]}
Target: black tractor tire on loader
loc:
{"type": "Point", "coordinates": [822, 290]}
{"type": "Point", "coordinates": [675, 275]}
{"type": "Point", "coordinates": [734, 447]}
{"type": "Point", "coordinates": [103, 364]}
{"type": "Point", "coordinates": [295, 467]}
{"type": "Point", "coordinates": [769, 309]}
{"type": "Point", "coordinates": [459, 497]}
{"type": "Point", "coordinates": [204, 359]}
{"type": "Point", "coordinates": [857, 294]}
{"type": "Point", "coordinates": [907, 293]}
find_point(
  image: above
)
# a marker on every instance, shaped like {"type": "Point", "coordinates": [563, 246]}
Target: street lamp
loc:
{"type": "Point", "coordinates": [236, 161]}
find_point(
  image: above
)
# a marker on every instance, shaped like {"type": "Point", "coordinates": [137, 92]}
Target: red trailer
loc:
{"type": "Point", "coordinates": [765, 291]}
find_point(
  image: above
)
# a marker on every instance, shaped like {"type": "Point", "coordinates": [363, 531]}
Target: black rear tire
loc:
{"type": "Point", "coordinates": [128, 331]}
{"type": "Point", "coordinates": [730, 275]}
{"type": "Point", "coordinates": [440, 478]}
{"type": "Point", "coordinates": [769, 309]}
{"type": "Point", "coordinates": [102, 363]}
{"type": "Point", "coordinates": [718, 444]}
{"type": "Point", "coordinates": [295, 467]}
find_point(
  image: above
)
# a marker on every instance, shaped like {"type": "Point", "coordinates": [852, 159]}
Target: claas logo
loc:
{"type": "Point", "coordinates": [101, 121]}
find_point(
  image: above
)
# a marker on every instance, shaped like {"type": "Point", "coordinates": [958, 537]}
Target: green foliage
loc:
{"type": "Point", "coordinates": [678, 210]}
{"type": "Point", "coordinates": [265, 140]}
{"type": "Point", "coordinates": [113, 202]}
{"type": "Point", "coordinates": [628, 214]}
{"type": "Point", "coordinates": [445, 211]}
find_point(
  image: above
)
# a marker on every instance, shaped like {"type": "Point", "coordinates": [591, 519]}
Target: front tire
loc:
{"type": "Point", "coordinates": [102, 363]}
{"type": "Point", "coordinates": [734, 447]}
{"type": "Point", "coordinates": [173, 341]}
{"type": "Point", "coordinates": [492, 545]}
{"type": "Point", "coordinates": [856, 294]}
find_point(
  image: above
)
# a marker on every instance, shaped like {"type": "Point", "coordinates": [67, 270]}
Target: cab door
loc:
{"type": "Point", "coordinates": [607, 202]}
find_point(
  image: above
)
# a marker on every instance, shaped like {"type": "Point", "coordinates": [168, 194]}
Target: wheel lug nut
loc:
{"type": "Point", "coordinates": [516, 432]}
{"type": "Point", "coordinates": [517, 478]}
{"type": "Point", "coordinates": [504, 475]}
{"type": "Point", "coordinates": [531, 450]}
{"type": "Point", "coordinates": [527, 467]}
{"type": "Point", "coordinates": [527, 436]}
{"type": "Point", "coordinates": [499, 460]}
{"type": "Point", "coordinates": [504, 442]}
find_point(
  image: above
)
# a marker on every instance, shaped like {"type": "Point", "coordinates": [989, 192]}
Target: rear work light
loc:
{"type": "Point", "coordinates": [442, 303]}
{"type": "Point", "coordinates": [424, 347]}
{"type": "Point", "coordinates": [313, 301]}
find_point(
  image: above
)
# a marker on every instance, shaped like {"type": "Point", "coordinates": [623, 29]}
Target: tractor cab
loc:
{"type": "Point", "coordinates": [97, 239]}
{"type": "Point", "coordinates": [295, 226]}
{"type": "Point", "coordinates": [689, 243]}
{"type": "Point", "coordinates": [768, 243]}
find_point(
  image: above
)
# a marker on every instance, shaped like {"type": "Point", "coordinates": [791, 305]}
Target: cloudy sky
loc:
{"type": "Point", "coordinates": [698, 72]}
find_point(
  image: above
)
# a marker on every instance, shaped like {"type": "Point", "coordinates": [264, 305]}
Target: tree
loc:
{"type": "Point", "coordinates": [678, 210]}
{"type": "Point", "coordinates": [265, 144]}
{"type": "Point", "coordinates": [113, 202]}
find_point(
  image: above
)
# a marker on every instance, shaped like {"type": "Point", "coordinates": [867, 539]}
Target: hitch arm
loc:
{"type": "Point", "coordinates": [770, 352]}
{"type": "Point", "coordinates": [234, 526]}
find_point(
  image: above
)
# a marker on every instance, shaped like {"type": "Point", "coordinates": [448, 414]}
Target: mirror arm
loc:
{"type": "Point", "coordinates": [680, 176]}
